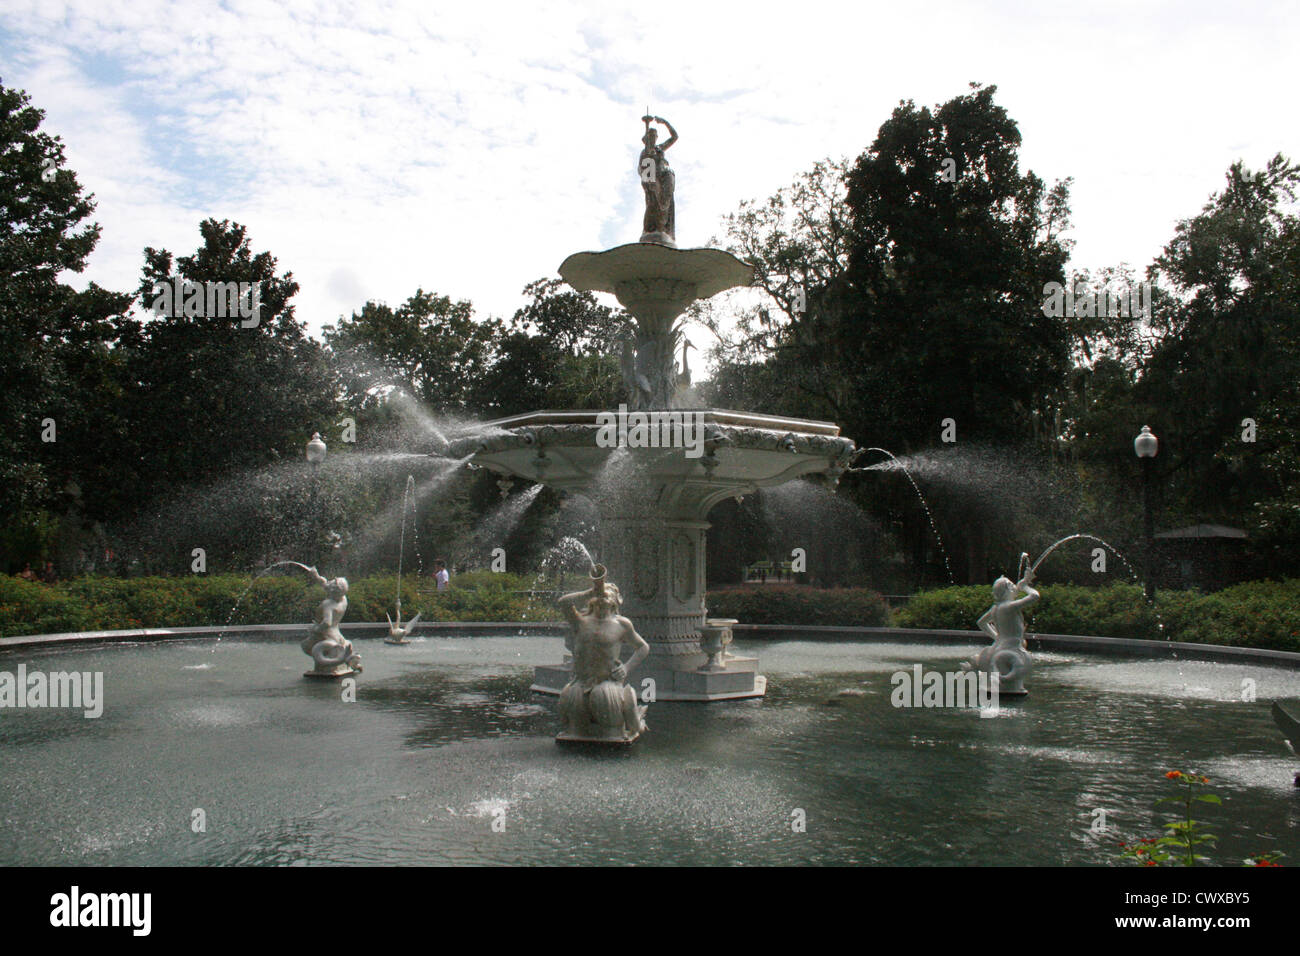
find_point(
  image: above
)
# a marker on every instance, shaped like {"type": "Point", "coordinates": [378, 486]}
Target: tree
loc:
{"type": "Point", "coordinates": [559, 351]}
{"type": "Point", "coordinates": [55, 351]}
{"type": "Point", "coordinates": [209, 396]}
{"type": "Point", "coordinates": [952, 248]}
{"type": "Point", "coordinates": [432, 348]}
{"type": "Point", "coordinates": [1228, 348]}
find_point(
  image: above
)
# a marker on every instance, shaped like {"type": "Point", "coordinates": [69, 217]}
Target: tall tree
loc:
{"type": "Point", "coordinates": [55, 362]}
{"type": "Point", "coordinates": [210, 394]}
{"type": "Point", "coordinates": [430, 347]}
{"type": "Point", "coordinates": [558, 351]}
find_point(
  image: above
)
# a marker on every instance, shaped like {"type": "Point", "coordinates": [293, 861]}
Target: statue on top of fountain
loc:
{"type": "Point", "coordinates": [597, 705]}
{"type": "Point", "coordinates": [659, 182]}
{"type": "Point", "coordinates": [1005, 623]}
{"type": "Point", "coordinates": [325, 643]}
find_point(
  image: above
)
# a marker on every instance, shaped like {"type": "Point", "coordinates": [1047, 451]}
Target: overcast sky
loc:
{"type": "Point", "coordinates": [468, 148]}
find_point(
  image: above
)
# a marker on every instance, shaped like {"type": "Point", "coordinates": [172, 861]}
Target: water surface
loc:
{"type": "Point", "coordinates": [445, 738]}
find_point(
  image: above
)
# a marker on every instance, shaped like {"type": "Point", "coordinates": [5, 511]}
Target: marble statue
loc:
{"type": "Point", "coordinates": [597, 704]}
{"type": "Point", "coordinates": [1005, 623]}
{"type": "Point", "coordinates": [658, 182]}
{"type": "Point", "coordinates": [325, 643]}
{"type": "Point", "coordinates": [397, 634]}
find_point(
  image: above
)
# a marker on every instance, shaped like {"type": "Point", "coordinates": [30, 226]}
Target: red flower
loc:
{"type": "Point", "coordinates": [1173, 774]}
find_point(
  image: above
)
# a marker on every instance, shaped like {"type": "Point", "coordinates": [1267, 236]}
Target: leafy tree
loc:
{"type": "Point", "coordinates": [206, 396]}
{"type": "Point", "coordinates": [1228, 345]}
{"type": "Point", "coordinates": [559, 351]}
{"type": "Point", "coordinates": [951, 250]}
{"type": "Point", "coordinates": [55, 364]}
{"type": "Point", "coordinates": [432, 348]}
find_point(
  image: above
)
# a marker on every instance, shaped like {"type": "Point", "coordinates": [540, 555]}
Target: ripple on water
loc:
{"type": "Point", "coordinates": [1188, 680]}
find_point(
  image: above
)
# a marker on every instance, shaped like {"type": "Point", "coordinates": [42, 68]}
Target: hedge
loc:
{"type": "Point", "coordinates": [90, 604]}
{"type": "Point", "coordinates": [795, 604]}
{"type": "Point", "coordinates": [1263, 614]}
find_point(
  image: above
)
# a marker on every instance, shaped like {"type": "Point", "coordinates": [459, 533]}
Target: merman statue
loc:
{"type": "Point", "coordinates": [597, 705]}
{"type": "Point", "coordinates": [1005, 623]}
{"type": "Point", "coordinates": [325, 643]}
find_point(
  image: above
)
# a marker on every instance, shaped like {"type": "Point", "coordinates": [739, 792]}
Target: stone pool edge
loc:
{"type": "Point", "coordinates": [1062, 642]}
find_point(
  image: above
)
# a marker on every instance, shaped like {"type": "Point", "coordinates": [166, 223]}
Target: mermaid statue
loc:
{"type": "Point", "coordinates": [597, 705]}
{"type": "Point", "coordinates": [1004, 622]}
{"type": "Point", "coordinates": [325, 643]}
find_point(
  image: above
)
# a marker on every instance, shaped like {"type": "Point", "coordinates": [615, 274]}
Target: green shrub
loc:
{"type": "Point", "coordinates": [220, 600]}
{"type": "Point", "coordinates": [27, 607]}
{"type": "Point", "coordinates": [953, 608]}
{"type": "Point", "coordinates": [798, 604]}
{"type": "Point", "coordinates": [1264, 614]}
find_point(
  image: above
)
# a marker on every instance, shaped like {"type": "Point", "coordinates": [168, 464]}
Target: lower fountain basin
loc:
{"type": "Point", "coordinates": [445, 738]}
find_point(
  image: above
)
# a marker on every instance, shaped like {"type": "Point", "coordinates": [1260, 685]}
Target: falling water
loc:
{"type": "Point", "coordinates": [924, 504]}
{"type": "Point", "coordinates": [499, 523]}
{"type": "Point", "coordinates": [407, 497]}
{"type": "Point", "coordinates": [1160, 622]}
{"type": "Point", "coordinates": [1091, 537]}
{"type": "Point", "coordinates": [381, 526]}
{"type": "Point", "coordinates": [244, 593]}
{"type": "Point", "coordinates": [557, 559]}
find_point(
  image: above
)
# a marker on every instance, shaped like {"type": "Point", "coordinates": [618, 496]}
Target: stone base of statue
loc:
{"type": "Point", "coordinates": [737, 680]}
{"type": "Point", "coordinates": [606, 714]}
{"type": "Point", "coordinates": [332, 673]}
{"type": "Point", "coordinates": [396, 640]}
{"type": "Point", "coordinates": [660, 237]}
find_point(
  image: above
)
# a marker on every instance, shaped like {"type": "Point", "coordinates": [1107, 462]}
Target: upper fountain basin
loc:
{"type": "Point", "coordinates": [653, 281]}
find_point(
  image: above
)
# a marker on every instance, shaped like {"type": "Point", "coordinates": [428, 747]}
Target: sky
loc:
{"type": "Point", "coordinates": [468, 148]}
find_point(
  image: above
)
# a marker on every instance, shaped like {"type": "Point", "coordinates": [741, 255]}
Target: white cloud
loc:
{"type": "Point", "coordinates": [468, 148]}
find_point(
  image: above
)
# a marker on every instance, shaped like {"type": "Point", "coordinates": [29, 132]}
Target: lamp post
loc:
{"type": "Point", "coordinates": [315, 455]}
{"type": "Point", "coordinates": [1146, 445]}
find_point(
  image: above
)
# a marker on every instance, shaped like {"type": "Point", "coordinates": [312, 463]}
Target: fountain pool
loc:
{"type": "Point", "coordinates": [445, 739]}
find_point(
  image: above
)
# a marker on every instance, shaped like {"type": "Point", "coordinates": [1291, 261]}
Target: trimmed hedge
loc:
{"type": "Point", "coordinates": [798, 604]}
{"type": "Point", "coordinates": [92, 604]}
{"type": "Point", "coordinates": [1263, 614]}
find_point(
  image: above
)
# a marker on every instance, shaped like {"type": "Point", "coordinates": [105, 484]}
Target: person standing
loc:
{"type": "Point", "coordinates": [440, 574]}
{"type": "Point", "coordinates": [48, 574]}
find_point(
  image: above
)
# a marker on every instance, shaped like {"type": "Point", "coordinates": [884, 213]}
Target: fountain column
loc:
{"type": "Point", "coordinates": [661, 562]}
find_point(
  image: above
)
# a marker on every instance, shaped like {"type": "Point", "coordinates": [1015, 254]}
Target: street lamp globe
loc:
{"type": "Point", "coordinates": [316, 449]}
{"type": "Point", "coordinates": [1146, 444]}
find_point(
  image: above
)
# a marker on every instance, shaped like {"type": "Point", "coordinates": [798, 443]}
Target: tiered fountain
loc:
{"type": "Point", "coordinates": [654, 501]}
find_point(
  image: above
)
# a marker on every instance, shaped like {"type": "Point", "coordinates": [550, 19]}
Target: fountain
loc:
{"type": "Point", "coordinates": [597, 706]}
{"type": "Point", "coordinates": [397, 633]}
{"type": "Point", "coordinates": [325, 643]}
{"type": "Point", "coordinates": [1004, 622]}
{"type": "Point", "coordinates": [653, 468]}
